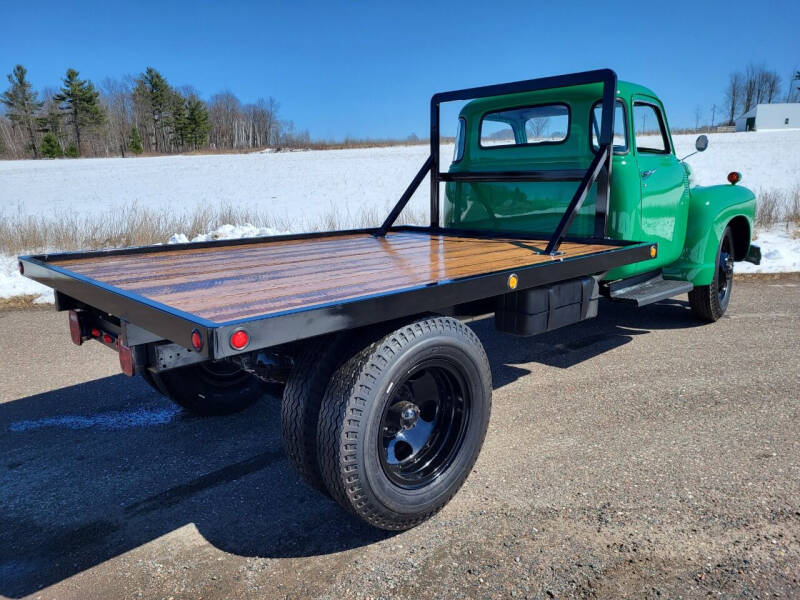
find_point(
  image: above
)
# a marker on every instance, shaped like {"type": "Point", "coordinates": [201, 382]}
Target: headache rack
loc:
{"type": "Point", "coordinates": [599, 170]}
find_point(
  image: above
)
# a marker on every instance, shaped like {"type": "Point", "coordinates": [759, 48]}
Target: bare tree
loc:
{"type": "Point", "coordinates": [750, 86]}
{"type": "Point", "coordinates": [698, 116]}
{"type": "Point", "coordinates": [772, 86]}
{"type": "Point", "coordinates": [793, 89]}
{"type": "Point", "coordinates": [733, 95]}
{"type": "Point", "coordinates": [116, 96]}
{"type": "Point", "coordinates": [536, 127]}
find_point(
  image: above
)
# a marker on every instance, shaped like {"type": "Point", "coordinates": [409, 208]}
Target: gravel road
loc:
{"type": "Point", "coordinates": [640, 455]}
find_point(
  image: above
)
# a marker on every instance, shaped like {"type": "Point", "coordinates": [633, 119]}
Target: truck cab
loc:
{"type": "Point", "coordinates": [651, 197]}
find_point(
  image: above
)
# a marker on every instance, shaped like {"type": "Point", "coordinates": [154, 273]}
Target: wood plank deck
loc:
{"type": "Point", "coordinates": [225, 283]}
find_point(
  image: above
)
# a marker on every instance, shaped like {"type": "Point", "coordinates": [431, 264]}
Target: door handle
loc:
{"type": "Point", "coordinates": [646, 174]}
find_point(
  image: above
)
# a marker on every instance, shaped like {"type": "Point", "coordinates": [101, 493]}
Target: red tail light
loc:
{"type": "Point", "coordinates": [240, 339]}
{"type": "Point", "coordinates": [75, 328]}
{"type": "Point", "coordinates": [734, 177]}
{"type": "Point", "coordinates": [21, 268]}
{"type": "Point", "coordinates": [197, 340]}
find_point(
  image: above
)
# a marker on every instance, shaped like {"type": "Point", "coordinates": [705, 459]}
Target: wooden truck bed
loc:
{"type": "Point", "coordinates": [321, 282]}
{"type": "Point", "coordinates": [237, 282]}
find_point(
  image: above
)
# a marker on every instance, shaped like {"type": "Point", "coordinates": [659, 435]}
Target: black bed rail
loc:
{"type": "Point", "coordinates": [599, 170]}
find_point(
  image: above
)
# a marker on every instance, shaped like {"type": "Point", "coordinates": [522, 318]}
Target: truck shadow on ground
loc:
{"type": "Point", "coordinates": [94, 470]}
{"type": "Point", "coordinates": [616, 325]}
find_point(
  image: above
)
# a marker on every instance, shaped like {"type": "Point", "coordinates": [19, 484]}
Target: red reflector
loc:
{"type": "Point", "coordinates": [734, 177]}
{"type": "Point", "coordinates": [107, 338]}
{"type": "Point", "coordinates": [239, 339]}
{"type": "Point", "coordinates": [126, 361]}
{"type": "Point", "coordinates": [197, 340]}
{"type": "Point", "coordinates": [75, 328]}
{"type": "Point", "coordinates": [95, 332]}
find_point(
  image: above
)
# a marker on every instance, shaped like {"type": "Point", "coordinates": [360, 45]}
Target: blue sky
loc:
{"type": "Point", "coordinates": [367, 69]}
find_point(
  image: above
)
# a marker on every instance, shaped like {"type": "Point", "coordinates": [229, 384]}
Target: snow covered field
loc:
{"type": "Point", "coordinates": [294, 187]}
{"type": "Point", "coordinates": [299, 188]}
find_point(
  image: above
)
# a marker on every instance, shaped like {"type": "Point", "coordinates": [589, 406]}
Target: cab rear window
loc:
{"type": "Point", "coordinates": [525, 126]}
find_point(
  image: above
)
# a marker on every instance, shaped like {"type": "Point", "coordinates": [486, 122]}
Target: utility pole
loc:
{"type": "Point", "coordinates": [713, 114]}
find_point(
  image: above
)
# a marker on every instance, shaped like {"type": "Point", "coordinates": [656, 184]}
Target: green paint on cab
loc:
{"type": "Point", "coordinates": [651, 196]}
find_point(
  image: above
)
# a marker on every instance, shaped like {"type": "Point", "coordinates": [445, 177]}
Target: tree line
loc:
{"type": "Point", "coordinates": [754, 85]}
{"type": "Point", "coordinates": [132, 115]}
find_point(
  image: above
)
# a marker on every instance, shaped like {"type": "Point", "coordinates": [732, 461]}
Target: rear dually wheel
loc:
{"type": "Point", "coordinates": [209, 388]}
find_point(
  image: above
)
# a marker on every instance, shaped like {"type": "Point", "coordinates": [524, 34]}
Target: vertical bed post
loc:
{"type": "Point", "coordinates": [435, 161]}
{"type": "Point", "coordinates": [603, 196]}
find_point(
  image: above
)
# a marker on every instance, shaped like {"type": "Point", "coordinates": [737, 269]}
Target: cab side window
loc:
{"type": "Point", "coordinates": [650, 132]}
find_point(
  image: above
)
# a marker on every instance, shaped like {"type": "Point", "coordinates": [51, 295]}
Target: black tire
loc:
{"type": "Point", "coordinates": [313, 368]}
{"type": "Point", "coordinates": [402, 422]}
{"type": "Point", "coordinates": [209, 389]}
{"type": "Point", "coordinates": [709, 302]}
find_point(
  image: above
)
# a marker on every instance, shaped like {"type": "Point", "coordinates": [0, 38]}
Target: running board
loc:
{"type": "Point", "coordinates": [643, 291]}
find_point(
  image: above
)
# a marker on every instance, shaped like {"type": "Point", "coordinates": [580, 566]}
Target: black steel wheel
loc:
{"type": "Point", "coordinates": [423, 423]}
{"type": "Point", "coordinates": [709, 302]}
{"type": "Point", "coordinates": [402, 422]}
{"type": "Point", "coordinates": [210, 388]}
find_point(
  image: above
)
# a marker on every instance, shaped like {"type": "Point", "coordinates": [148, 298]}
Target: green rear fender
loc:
{"type": "Point", "coordinates": [711, 209]}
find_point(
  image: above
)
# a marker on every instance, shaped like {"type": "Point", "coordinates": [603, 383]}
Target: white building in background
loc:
{"type": "Point", "coordinates": [770, 116]}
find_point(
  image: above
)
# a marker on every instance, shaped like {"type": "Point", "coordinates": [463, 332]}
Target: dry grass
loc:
{"type": "Point", "coordinates": [129, 227]}
{"type": "Point", "coordinates": [335, 218]}
{"type": "Point", "coordinates": [140, 227]}
{"type": "Point", "coordinates": [28, 301]}
{"type": "Point", "coordinates": [778, 206]}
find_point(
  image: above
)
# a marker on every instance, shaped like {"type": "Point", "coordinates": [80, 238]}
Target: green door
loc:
{"type": "Point", "coordinates": [663, 181]}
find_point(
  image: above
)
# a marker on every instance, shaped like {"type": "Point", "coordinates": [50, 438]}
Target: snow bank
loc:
{"type": "Point", "coordinates": [227, 232]}
{"type": "Point", "coordinates": [780, 252]}
{"type": "Point", "coordinates": [13, 284]}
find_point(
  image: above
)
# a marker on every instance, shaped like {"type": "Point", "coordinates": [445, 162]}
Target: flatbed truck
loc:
{"type": "Point", "coordinates": [386, 392]}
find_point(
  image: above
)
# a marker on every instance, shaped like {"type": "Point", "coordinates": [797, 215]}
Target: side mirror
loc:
{"type": "Point", "coordinates": [701, 143]}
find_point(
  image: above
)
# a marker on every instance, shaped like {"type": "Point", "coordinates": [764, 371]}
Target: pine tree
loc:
{"type": "Point", "coordinates": [155, 93]}
{"type": "Point", "coordinates": [197, 123]}
{"type": "Point", "coordinates": [50, 146]}
{"type": "Point", "coordinates": [81, 102]}
{"type": "Point", "coordinates": [50, 120]}
{"type": "Point", "coordinates": [178, 119]}
{"type": "Point", "coordinates": [22, 103]}
{"type": "Point", "coordinates": [135, 141]}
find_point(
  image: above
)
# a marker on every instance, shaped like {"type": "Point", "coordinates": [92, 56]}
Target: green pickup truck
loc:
{"type": "Point", "coordinates": [561, 190]}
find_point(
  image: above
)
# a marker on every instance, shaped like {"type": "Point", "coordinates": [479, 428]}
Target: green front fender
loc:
{"type": "Point", "coordinates": [711, 209]}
